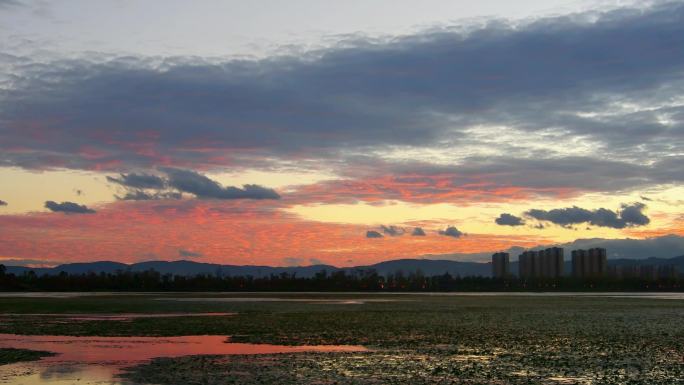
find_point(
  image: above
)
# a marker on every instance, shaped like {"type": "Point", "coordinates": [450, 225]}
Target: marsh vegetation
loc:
{"type": "Point", "coordinates": [413, 339]}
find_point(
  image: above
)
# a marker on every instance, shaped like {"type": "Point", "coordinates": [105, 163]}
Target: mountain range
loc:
{"type": "Point", "coordinates": [426, 266]}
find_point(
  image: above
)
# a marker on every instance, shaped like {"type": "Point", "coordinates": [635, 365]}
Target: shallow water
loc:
{"type": "Point", "coordinates": [98, 360]}
{"type": "Point", "coordinates": [321, 301]}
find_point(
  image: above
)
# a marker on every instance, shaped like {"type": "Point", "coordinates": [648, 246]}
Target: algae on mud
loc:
{"type": "Point", "coordinates": [421, 339]}
{"type": "Point", "coordinates": [438, 366]}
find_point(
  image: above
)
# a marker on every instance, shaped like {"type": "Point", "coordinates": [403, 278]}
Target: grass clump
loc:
{"type": "Point", "coordinates": [10, 355]}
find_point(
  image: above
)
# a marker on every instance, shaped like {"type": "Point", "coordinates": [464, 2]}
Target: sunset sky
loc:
{"type": "Point", "coordinates": [345, 133]}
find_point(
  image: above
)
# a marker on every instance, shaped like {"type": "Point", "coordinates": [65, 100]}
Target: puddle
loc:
{"type": "Point", "coordinates": [113, 317]}
{"type": "Point", "coordinates": [98, 360]}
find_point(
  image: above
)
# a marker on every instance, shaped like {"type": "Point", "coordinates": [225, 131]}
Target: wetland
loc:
{"type": "Point", "coordinates": [309, 338]}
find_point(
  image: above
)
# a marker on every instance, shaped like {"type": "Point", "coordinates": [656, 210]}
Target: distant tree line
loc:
{"type": "Point", "coordinates": [356, 280]}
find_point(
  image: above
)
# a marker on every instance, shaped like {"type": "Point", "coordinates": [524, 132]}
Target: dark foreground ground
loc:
{"type": "Point", "coordinates": [415, 339]}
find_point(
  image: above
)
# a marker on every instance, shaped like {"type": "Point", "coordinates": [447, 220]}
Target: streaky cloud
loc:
{"type": "Point", "coordinates": [205, 188]}
{"type": "Point", "coordinates": [139, 181]}
{"type": "Point", "coordinates": [140, 195]}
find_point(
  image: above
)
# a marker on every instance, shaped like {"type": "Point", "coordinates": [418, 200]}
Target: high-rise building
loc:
{"type": "Point", "coordinates": [598, 261]}
{"type": "Point", "coordinates": [528, 264]}
{"type": "Point", "coordinates": [579, 259]}
{"type": "Point", "coordinates": [589, 263]}
{"type": "Point", "coordinates": [553, 262]}
{"type": "Point", "coordinates": [500, 265]}
{"type": "Point", "coordinates": [648, 272]}
{"type": "Point", "coordinates": [547, 263]}
{"type": "Point", "coordinates": [668, 272]}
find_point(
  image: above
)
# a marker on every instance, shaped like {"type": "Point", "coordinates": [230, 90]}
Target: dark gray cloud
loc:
{"type": "Point", "coordinates": [189, 254]}
{"type": "Point", "coordinates": [3, 203]}
{"type": "Point", "coordinates": [140, 195]}
{"type": "Point", "coordinates": [506, 219]}
{"type": "Point", "coordinates": [488, 179]}
{"type": "Point", "coordinates": [392, 231]}
{"type": "Point", "coordinates": [204, 188]}
{"type": "Point", "coordinates": [68, 208]}
{"type": "Point", "coordinates": [418, 232]}
{"type": "Point", "coordinates": [373, 234]}
{"type": "Point", "coordinates": [139, 181]}
{"type": "Point", "coordinates": [451, 232]}
{"type": "Point", "coordinates": [179, 181]}
{"type": "Point", "coordinates": [544, 174]}
{"type": "Point", "coordinates": [632, 215]}
{"type": "Point", "coordinates": [546, 78]}
{"type": "Point", "coordinates": [628, 216]}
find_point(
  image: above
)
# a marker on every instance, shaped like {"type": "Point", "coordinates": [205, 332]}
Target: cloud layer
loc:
{"type": "Point", "coordinates": [373, 234]}
{"type": "Point", "coordinates": [627, 216]}
{"type": "Point", "coordinates": [506, 219]}
{"type": "Point", "coordinates": [451, 232]}
{"type": "Point", "coordinates": [68, 208]}
{"type": "Point", "coordinates": [177, 181]}
{"type": "Point", "coordinates": [205, 188]}
{"type": "Point", "coordinates": [605, 81]}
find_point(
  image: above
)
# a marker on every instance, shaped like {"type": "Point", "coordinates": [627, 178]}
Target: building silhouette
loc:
{"type": "Point", "coordinates": [624, 272]}
{"type": "Point", "coordinates": [647, 272]}
{"type": "Point", "coordinates": [500, 265]}
{"type": "Point", "coordinates": [668, 272]}
{"type": "Point", "coordinates": [553, 262]}
{"type": "Point", "coordinates": [526, 262]}
{"type": "Point", "coordinates": [590, 263]}
{"type": "Point", "coordinates": [547, 263]}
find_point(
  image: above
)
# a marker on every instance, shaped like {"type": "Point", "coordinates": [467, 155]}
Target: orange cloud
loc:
{"type": "Point", "coordinates": [443, 188]}
{"type": "Point", "coordinates": [223, 232]}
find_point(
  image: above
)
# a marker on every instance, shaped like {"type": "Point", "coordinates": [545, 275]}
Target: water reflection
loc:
{"type": "Point", "coordinates": [97, 360]}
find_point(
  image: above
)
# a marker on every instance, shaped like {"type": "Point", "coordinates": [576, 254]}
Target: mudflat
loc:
{"type": "Point", "coordinates": [400, 339]}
